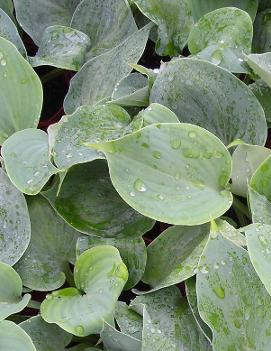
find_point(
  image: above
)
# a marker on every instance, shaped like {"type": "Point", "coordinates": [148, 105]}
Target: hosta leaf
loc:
{"type": "Point", "coordinates": [200, 8]}
{"type": "Point", "coordinates": [174, 20]}
{"type": "Point", "coordinates": [261, 65]}
{"type": "Point", "coordinates": [211, 97]}
{"type": "Point", "coordinates": [262, 32]}
{"type": "Point", "coordinates": [231, 298]}
{"type": "Point", "coordinates": [62, 47]}
{"type": "Point", "coordinates": [185, 245]}
{"type": "Point", "coordinates": [168, 320]}
{"type": "Point", "coordinates": [263, 93]}
{"type": "Point", "coordinates": [191, 294]}
{"type": "Point", "coordinates": [46, 337]}
{"type": "Point", "coordinates": [168, 171]}
{"type": "Point", "coordinates": [7, 6]}
{"type": "Point", "coordinates": [27, 160]}
{"type": "Point", "coordinates": [157, 113]}
{"type": "Point", "coordinates": [229, 232]}
{"type": "Point", "coordinates": [132, 90]}
{"type": "Point", "coordinates": [246, 159]}
{"type": "Point", "coordinates": [259, 249]}
{"type": "Point", "coordinates": [133, 253]}
{"type": "Point", "coordinates": [260, 193]}
{"type": "Point", "coordinates": [9, 31]}
{"type": "Point", "coordinates": [101, 275]}
{"type": "Point", "coordinates": [107, 23]}
{"type": "Point", "coordinates": [97, 78]}
{"type": "Point", "coordinates": [11, 300]}
{"type": "Point", "coordinates": [114, 340]}
{"type": "Point", "coordinates": [36, 15]}
{"type": "Point", "coordinates": [15, 228]}
{"type": "Point", "coordinates": [129, 321]}
{"type": "Point", "coordinates": [88, 124]}
{"type": "Point", "coordinates": [14, 338]}
{"type": "Point", "coordinates": [221, 36]}
{"type": "Point", "coordinates": [20, 92]}
{"type": "Point", "coordinates": [88, 202]}
{"type": "Point", "coordinates": [52, 247]}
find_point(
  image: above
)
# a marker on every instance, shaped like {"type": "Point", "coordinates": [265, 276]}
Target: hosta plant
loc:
{"type": "Point", "coordinates": [135, 202]}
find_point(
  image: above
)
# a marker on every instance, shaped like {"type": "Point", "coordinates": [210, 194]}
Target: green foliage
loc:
{"type": "Point", "coordinates": [145, 170]}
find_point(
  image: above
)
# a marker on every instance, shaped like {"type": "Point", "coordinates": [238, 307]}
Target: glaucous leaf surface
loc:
{"type": "Point", "coordinates": [174, 21]}
{"type": "Point", "coordinates": [88, 85]}
{"type": "Point", "coordinates": [46, 337]}
{"type": "Point", "coordinates": [89, 203]}
{"type": "Point", "coordinates": [27, 160]}
{"type": "Point", "coordinates": [15, 228]}
{"type": "Point", "coordinates": [129, 321]}
{"type": "Point", "coordinates": [114, 340]}
{"type": "Point", "coordinates": [246, 159]}
{"type": "Point", "coordinates": [229, 232]}
{"type": "Point", "coordinates": [263, 93]}
{"type": "Point", "coordinates": [221, 37]}
{"type": "Point", "coordinates": [62, 47]}
{"type": "Point", "coordinates": [11, 300]}
{"type": "Point", "coordinates": [107, 23]}
{"type": "Point", "coordinates": [13, 337]}
{"type": "Point", "coordinates": [52, 246]}
{"type": "Point", "coordinates": [168, 171]}
{"type": "Point", "coordinates": [168, 320]}
{"type": "Point", "coordinates": [20, 92]}
{"type": "Point", "coordinates": [261, 65]}
{"type": "Point", "coordinates": [200, 8]}
{"type": "Point", "coordinates": [231, 298]}
{"type": "Point", "coordinates": [8, 30]}
{"type": "Point", "coordinates": [157, 113]}
{"type": "Point", "coordinates": [259, 248]}
{"type": "Point", "coordinates": [132, 90]}
{"type": "Point", "coordinates": [211, 97]}
{"type": "Point", "coordinates": [191, 294]}
{"type": "Point", "coordinates": [262, 32]}
{"type": "Point", "coordinates": [88, 124]}
{"type": "Point", "coordinates": [100, 275]}
{"type": "Point", "coordinates": [174, 255]}
{"type": "Point", "coordinates": [133, 253]}
{"type": "Point", "coordinates": [7, 6]}
{"type": "Point", "coordinates": [35, 16]}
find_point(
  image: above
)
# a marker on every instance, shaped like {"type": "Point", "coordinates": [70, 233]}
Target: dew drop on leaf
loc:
{"type": "Point", "coordinates": [139, 185]}
{"type": "Point", "coordinates": [219, 291]}
{"type": "Point", "coordinates": [79, 330]}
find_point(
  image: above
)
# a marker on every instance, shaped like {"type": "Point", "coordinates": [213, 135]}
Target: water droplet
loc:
{"type": "Point", "coordinates": [69, 156]}
{"type": "Point", "coordinates": [132, 194]}
{"type": "Point", "coordinates": [177, 176]}
{"type": "Point", "coordinates": [139, 185]}
{"type": "Point", "coordinates": [79, 330]}
{"type": "Point", "coordinates": [237, 324]}
{"type": "Point", "coordinates": [159, 331]}
{"type": "Point", "coordinates": [216, 57]}
{"type": "Point", "coordinates": [219, 291]}
{"type": "Point", "coordinates": [192, 135]}
{"type": "Point", "coordinates": [263, 240]}
{"type": "Point", "coordinates": [3, 62]}
{"type": "Point", "coordinates": [191, 153]}
{"type": "Point", "coordinates": [29, 181]}
{"type": "Point", "coordinates": [36, 174]}
{"type": "Point", "coordinates": [156, 70]}
{"type": "Point", "coordinates": [216, 266]}
{"type": "Point", "coordinates": [223, 263]}
{"type": "Point", "coordinates": [175, 144]}
{"type": "Point", "coordinates": [101, 291]}
{"type": "Point", "coordinates": [49, 297]}
{"type": "Point", "coordinates": [156, 154]}
{"type": "Point", "coordinates": [204, 269]}
{"type": "Point", "coordinates": [161, 197]}
{"type": "Point", "coordinates": [152, 330]}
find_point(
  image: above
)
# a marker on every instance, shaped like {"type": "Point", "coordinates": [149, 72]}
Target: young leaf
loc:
{"type": "Point", "coordinates": [185, 245]}
{"type": "Point", "coordinates": [101, 275]}
{"type": "Point", "coordinates": [129, 321]}
{"type": "Point", "coordinates": [174, 20]}
{"type": "Point", "coordinates": [231, 298]}
{"type": "Point", "coordinates": [261, 65]}
{"type": "Point", "coordinates": [211, 97]}
{"type": "Point", "coordinates": [15, 228]}
{"type": "Point", "coordinates": [35, 16]}
{"type": "Point", "coordinates": [114, 340]}
{"type": "Point", "coordinates": [221, 37]}
{"type": "Point", "coordinates": [89, 203]}
{"type": "Point", "coordinates": [27, 160]}
{"type": "Point", "coordinates": [14, 338]}
{"type": "Point", "coordinates": [88, 124]}
{"type": "Point", "coordinates": [262, 32]}
{"type": "Point", "coordinates": [168, 320]}
{"type": "Point", "coordinates": [62, 47]}
{"type": "Point", "coordinates": [20, 92]}
{"type": "Point", "coordinates": [107, 23]}
{"type": "Point", "coordinates": [133, 253]}
{"type": "Point", "coordinates": [157, 113]}
{"type": "Point", "coordinates": [200, 8]}
{"type": "Point", "coordinates": [52, 247]}
{"type": "Point", "coordinates": [46, 337]}
{"type": "Point", "coordinates": [8, 30]}
{"type": "Point", "coordinates": [11, 300]}
{"type": "Point", "coordinates": [246, 159]}
{"type": "Point", "coordinates": [168, 171]}
{"type": "Point", "coordinates": [259, 249]}
{"type": "Point", "coordinates": [88, 85]}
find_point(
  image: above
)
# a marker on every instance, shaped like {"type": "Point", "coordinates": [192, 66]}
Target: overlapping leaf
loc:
{"type": "Point", "coordinates": [261, 65]}
{"type": "Point", "coordinates": [262, 32]}
{"type": "Point", "coordinates": [13, 337]}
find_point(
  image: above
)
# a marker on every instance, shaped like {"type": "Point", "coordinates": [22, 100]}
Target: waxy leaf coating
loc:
{"type": "Point", "coordinates": [13, 337]}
